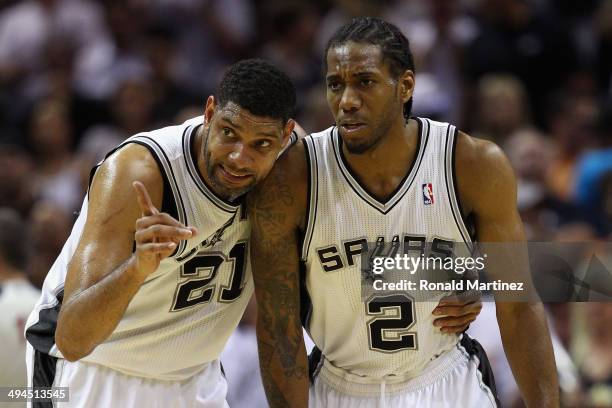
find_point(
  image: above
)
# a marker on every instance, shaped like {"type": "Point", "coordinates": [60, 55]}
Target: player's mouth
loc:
{"type": "Point", "coordinates": [352, 127]}
{"type": "Point", "coordinates": [233, 176]}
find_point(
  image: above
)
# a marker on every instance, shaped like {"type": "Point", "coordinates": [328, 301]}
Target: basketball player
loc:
{"type": "Point", "coordinates": [139, 304]}
{"type": "Point", "coordinates": [152, 281]}
{"type": "Point", "coordinates": [380, 173]}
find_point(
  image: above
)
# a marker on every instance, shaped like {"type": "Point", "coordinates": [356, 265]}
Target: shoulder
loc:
{"type": "Point", "coordinates": [132, 162]}
{"type": "Point", "coordinates": [483, 171]}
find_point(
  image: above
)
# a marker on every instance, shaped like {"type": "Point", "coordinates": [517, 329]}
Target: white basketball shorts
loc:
{"type": "Point", "coordinates": [460, 378]}
{"type": "Point", "coordinates": [92, 385]}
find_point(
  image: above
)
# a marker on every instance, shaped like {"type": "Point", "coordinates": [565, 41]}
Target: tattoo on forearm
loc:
{"type": "Point", "coordinates": [276, 291]}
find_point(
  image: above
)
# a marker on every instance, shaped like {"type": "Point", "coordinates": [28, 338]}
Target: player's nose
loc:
{"type": "Point", "coordinates": [240, 157]}
{"type": "Point", "coordinates": [349, 101]}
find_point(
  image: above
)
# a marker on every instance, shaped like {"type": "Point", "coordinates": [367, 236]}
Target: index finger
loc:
{"type": "Point", "coordinates": [144, 200]}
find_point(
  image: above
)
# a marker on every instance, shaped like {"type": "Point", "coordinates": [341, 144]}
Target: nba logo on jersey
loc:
{"type": "Point", "coordinates": [428, 197]}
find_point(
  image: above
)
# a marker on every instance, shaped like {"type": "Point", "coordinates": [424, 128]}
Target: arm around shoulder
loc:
{"type": "Point", "coordinates": [276, 210]}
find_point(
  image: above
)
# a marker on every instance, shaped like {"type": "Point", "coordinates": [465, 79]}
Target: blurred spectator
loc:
{"type": "Point", "coordinates": [502, 108]}
{"type": "Point", "coordinates": [542, 213]}
{"type": "Point", "coordinates": [49, 227]}
{"type": "Point", "coordinates": [593, 186]}
{"type": "Point", "coordinates": [593, 352]}
{"type": "Point", "coordinates": [131, 112]}
{"type": "Point", "coordinates": [515, 37]}
{"type": "Point", "coordinates": [25, 30]}
{"type": "Point", "coordinates": [17, 298]}
{"type": "Point", "coordinates": [169, 95]}
{"type": "Point", "coordinates": [116, 56]}
{"type": "Point", "coordinates": [17, 170]}
{"type": "Point", "coordinates": [292, 26]}
{"type": "Point", "coordinates": [214, 34]}
{"type": "Point", "coordinates": [316, 115]}
{"type": "Point", "coordinates": [56, 178]}
{"type": "Point", "coordinates": [572, 126]}
{"type": "Point", "coordinates": [438, 42]}
{"type": "Point", "coordinates": [603, 26]}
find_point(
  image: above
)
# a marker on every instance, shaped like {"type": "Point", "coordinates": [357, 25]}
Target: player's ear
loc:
{"type": "Point", "coordinates": [289, 126]}
{"type": "Point", "coordinates": [209, 110]}
{"type": "Point", "coordinates": [406, 85]}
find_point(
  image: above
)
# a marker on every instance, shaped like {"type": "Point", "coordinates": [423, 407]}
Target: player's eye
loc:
{"type": "Point", "coordinates": [333, 85]}
{"type": "Point", "coordinates": [263, 144]}
{"type": "Point", "coordinates": [227, 132]}
{"type": "Point", "coordinates": [367, 82]}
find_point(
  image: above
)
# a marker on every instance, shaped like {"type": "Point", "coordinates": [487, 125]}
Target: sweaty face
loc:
{"type": "Point", "coordinates": [362, 95]}
{"type": "Point", "coordinates": [240, 148]}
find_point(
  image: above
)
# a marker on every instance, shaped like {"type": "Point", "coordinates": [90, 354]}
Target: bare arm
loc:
{"type": "Point", "coordinates": [104, 275]}
{"type": "Point", "coordinates": [275, 209]}
{"type": "Point", "coordinates": [488, 186]}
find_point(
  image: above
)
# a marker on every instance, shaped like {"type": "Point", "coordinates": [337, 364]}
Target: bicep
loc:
{"type": "Point", "coordinates": [107, 238]}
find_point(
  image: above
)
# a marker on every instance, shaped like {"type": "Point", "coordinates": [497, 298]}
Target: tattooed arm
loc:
{"type": "Point", "coordinates": [276, 210]}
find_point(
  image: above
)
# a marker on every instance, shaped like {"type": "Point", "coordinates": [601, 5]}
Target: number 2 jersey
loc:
{"type": "Point", "coordinates": [184, 312]}
{"type": "Point", "coordinates": [388, 333]}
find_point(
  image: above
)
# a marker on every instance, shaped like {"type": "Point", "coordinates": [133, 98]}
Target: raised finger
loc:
{"type": "Point", "coordinates": [144, 200]}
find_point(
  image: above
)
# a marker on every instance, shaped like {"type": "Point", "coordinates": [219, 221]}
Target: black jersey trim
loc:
{"type": "Point", "coordinates": [451, 188]}
{"type": "Point", "coordinates": [169, 172]}
{"type": "Point", "coordinates": [196, 176]}
{"type": "Point", "coordinates": [312, 194]}
{"type": "Point", "coordinates": [404, 185]}
{"type": "Point", "coordinates": [43, 375]}
{"type": "Point", "coordinates": [315, 362]}
{"type": "Point", "coordinates": [41, 335]}
{"type": "Point", "coordinates": [467, 221]}
{"type": "Point", "coordinates": [475, 350]}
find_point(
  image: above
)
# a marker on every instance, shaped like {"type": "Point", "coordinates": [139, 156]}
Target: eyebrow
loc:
{"type": "Point", "coordinates": [228, 120]}
{"type": "Point", "coordinates": [362, 73]}
{"type": "Point", "coordinates": [238, 127]}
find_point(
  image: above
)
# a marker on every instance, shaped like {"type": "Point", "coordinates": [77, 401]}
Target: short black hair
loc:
{"type": "Point", "coordinates": [394, 45]}
{"type": "Point", "coordinates": [259, 87]}
{"type": "Point", "coordinates": [13, 241]}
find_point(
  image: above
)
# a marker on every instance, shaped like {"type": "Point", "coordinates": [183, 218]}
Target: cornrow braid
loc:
{"type": "Point", "coordinates": [394, 46]}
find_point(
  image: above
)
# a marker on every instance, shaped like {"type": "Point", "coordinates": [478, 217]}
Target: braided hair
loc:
{"type": "Point", "coordinates": [394, 46]}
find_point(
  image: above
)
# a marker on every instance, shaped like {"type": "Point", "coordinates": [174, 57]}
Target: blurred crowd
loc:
{"type": "Point", "coordinates": [79, 76]}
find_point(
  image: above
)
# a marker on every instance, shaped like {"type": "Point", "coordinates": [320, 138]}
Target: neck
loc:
{"type": "Point", "coordinates": [396, 146]}
{"type": "Point", "coordinates": [382, 168]}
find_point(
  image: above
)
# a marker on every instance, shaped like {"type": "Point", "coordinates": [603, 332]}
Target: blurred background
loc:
{"type": "Point", "coordinates": [535, 76]}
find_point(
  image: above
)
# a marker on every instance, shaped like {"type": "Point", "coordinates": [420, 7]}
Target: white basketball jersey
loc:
{"type": "Point", "coordinates": [184, 312]}
{"type": "Point", "coordinates": [361, 336]}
